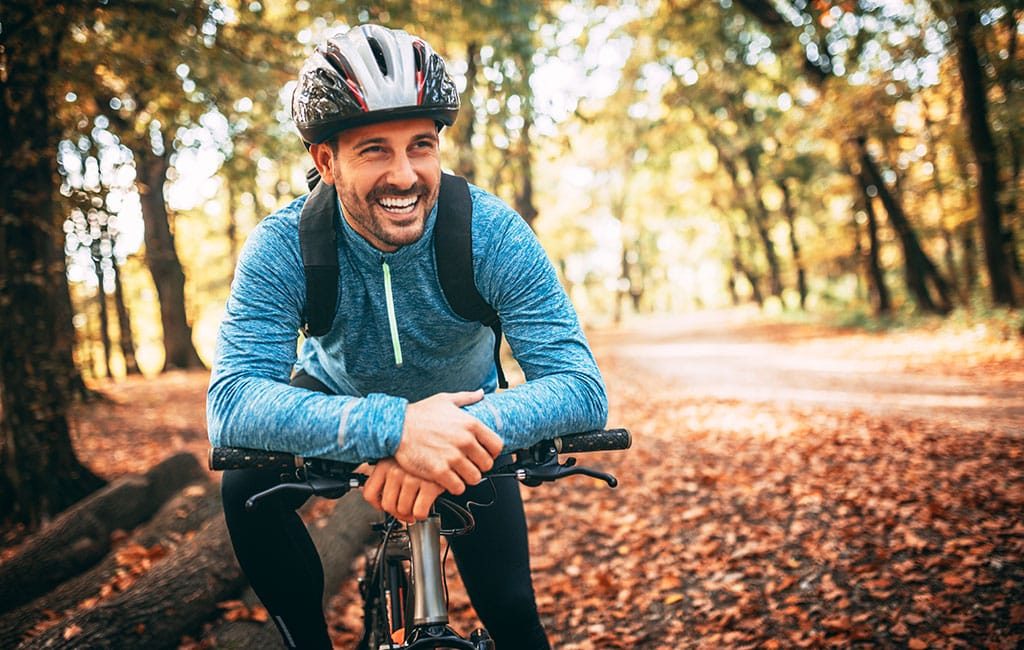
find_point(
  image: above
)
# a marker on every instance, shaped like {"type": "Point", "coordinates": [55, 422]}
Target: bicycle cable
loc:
{"type": "Point", "coordinates": [378, 577]}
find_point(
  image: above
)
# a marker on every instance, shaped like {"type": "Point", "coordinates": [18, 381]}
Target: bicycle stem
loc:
{"type": "Point", "coordinates": [429, 606]}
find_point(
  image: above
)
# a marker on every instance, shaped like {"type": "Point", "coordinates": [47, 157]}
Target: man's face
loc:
{"type": "Point", "coordinates": [387, 176]}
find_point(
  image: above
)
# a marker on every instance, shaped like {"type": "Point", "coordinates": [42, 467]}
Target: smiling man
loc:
{"type": "Point", "coordinates": [399, 377]}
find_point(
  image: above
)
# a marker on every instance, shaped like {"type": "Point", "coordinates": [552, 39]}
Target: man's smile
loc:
{"type": "Point", "coordinates": [401, 205]}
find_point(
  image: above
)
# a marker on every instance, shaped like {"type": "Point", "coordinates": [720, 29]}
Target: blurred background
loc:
{"type": "Point", "coordinates": [859, 159]}
{"type": "Point", "coordinates": [792, 228]}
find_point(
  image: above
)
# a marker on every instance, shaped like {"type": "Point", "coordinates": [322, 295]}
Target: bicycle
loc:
{"type": "Point", "coordinates": [403, 589]}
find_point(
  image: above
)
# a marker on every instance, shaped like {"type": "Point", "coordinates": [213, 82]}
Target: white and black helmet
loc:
{"type": "Point", "coordinates": [371, 74]}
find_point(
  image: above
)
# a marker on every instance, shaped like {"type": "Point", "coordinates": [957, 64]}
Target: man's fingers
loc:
{"type": "Point", "coordinates": [421, 508]}
{"type": "Point", "coordinates": [372, 489]}
{"type": "Point", "coordinates": [451, 481]}
{"type": "Point", "coordinates": [393, 490]}
{"type": "Point", "coordinates": [406, 500]}
{"type": "Point", "coordinates": [491, 442]}
{"type": "Point", "coordinates": [469, 473]}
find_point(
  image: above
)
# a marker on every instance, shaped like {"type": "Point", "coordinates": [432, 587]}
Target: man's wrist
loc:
{"type": "Point", "coordinates": [379, 422]}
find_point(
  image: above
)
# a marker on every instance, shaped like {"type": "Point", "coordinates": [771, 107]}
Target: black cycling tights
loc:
{"type": "Point", "coordinates": [277, 555]}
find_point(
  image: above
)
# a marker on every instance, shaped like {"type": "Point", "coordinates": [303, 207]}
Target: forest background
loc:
{"type": "Point", "coordinates": [853, 160]}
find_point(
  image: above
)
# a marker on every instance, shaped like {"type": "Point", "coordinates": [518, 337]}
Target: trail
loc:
{"type": "Point", "coordinates": [963, 380]}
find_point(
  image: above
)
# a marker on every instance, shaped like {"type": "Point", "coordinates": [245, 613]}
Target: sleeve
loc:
{"type": "Point", "coordinates": [564, 391]}
{"type": "Point", "coordinates": [250, 402]}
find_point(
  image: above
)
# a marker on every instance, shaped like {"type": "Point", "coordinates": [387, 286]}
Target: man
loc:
{"type": "Point", "coordinates": [399, 378]}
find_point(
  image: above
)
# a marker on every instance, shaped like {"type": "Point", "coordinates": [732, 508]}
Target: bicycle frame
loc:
{"type": "Point", "coordinates": [427, 606]}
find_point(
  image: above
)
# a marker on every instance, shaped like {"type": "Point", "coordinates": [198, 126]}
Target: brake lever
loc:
{"type": "Point", "coordinates": [329, 488]}
{"type": "Point", "coordinates": [552, 470]}
{"type": "Point", "coordinates": [592, 473]}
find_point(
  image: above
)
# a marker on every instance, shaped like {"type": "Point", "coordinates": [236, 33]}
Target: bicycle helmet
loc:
{"type": "Point", "coordinates": [371, 74]}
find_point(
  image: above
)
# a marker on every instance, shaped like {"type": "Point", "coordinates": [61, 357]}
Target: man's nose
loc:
{"type": "Point", "coordinates": [401, 173]}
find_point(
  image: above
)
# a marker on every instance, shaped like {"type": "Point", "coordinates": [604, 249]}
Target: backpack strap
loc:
{"type": "Point", "coordinates": [318, 241]}
{"type": "Point", "coordinates": [453, 250]}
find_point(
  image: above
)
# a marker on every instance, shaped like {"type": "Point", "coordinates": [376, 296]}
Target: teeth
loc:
{"type": "Point", "coordinates": [398, 204]}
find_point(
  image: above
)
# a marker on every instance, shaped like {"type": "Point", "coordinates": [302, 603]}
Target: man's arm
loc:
{"type": "Point", "coordinates": [249, 402]}
{"type": "Point", "coordinates": [564, 391]}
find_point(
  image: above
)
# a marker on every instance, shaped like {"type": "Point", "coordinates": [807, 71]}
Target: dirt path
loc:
{"type": "Point", "coordinates": [967, 380]}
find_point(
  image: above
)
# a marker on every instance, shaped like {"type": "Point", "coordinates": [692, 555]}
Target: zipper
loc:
{"type": "Point", "coordinates": [396, 346]}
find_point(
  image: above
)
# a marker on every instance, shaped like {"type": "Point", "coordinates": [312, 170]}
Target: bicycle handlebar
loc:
{"type": "Point", "coordinates": [596, 440]}
{"type": "Point", "coordinates": [332, 479]}
{"type": "Point", "coordinates": [224, 458]}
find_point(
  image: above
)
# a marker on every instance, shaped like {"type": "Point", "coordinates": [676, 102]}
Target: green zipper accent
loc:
{"type": "Point", "coordinates": [392, 321]}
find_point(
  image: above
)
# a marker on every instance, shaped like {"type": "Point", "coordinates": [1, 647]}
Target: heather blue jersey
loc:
{"type": "Point", "coordinates": [378, 365]}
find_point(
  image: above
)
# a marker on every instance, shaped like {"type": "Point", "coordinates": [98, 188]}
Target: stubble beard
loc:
{"type": "Point", "coordinates": [371, 218]}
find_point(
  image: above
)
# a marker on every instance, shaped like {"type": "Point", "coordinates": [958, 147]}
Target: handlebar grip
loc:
{"type": "Point", "coordinates": [222, 458]}
{"type": "Point", "coordinates": [597, 440]}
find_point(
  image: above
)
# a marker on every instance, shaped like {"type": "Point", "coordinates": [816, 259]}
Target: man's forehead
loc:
{"type": "Point", "coordinates": [395, 130]}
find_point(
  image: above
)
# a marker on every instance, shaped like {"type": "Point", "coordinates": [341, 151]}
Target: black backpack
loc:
{"type": "Point", "coordinates": [453, 248]}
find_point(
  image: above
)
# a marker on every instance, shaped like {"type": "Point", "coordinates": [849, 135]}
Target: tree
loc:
{"type": "Point", "coordinates": [40, 474]}
{"type": "Point", "coordinates": [88, 168]}
{"type": "Point", "coordinates": [824, 61]}
{"type": "Point", "coordinates": [153, 71]}
{"type": "Point", "coordinates": [52, 77]}
{"type": "Point", "coordinates": [923, 279]}
{"type": "Point", "coordinates": [993, 233]}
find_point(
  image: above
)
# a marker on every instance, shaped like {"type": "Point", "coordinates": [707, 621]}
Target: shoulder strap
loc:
{"type": "Point", "coordinates": [318, 240]}
{"type": "Point", "coordinates": [453, 250]}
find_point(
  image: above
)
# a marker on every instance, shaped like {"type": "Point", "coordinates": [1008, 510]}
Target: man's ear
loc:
{"type": "Point", "coordinates": [323, 159]}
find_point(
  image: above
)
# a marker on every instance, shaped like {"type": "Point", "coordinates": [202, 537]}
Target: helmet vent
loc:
{"type": "Point", "coordinates": [378, 54]}
{"type": "Point", "coordinates": [419, 55]}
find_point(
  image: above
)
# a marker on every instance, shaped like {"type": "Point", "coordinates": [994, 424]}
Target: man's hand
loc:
{"type": "Point", "coordinates": [394, 490]}
{"type": "Point", "coordinates": [443, 444]}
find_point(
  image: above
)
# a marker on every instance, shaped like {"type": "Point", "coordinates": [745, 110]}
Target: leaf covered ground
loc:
{"type": "Point", "coordinates": [737, 524]}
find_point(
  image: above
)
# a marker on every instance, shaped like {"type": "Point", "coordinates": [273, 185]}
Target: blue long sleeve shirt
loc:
{"type": "Point", "coordinates": [250, 402]}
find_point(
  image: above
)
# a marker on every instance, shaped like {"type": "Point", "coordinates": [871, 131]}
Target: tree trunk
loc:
{"type": "Point", "coordinates": [163, 263]}
{"type": "Point", "coordinates": [876, 278]}
{"type": "Point", "coordinates": [80, 536]}
{"type": "Point", "coordinates": [997, 259]}
{"type": "Point", "coordinates": [742, 269]}
{"type": "Point", "coordinates": [124, 322]}
{"type": "Point", "coordinates": [760, 218]}
{"type": "Point", "coordinates": [466, 167]}
{"type": "Point", "coordinates": [525, 204]}
{"type": "Point", "coordinates": [41, 475]}
{"type": "Point", "coordinates": [1010, 84]}
{"type": "Point", "coordinates": [181, 515]}
{"type": "Point", "coordinates": [176, 595]}
{"type": "Point", "coordinates": [794, 244]}
{"type": "Point", "coordinates": [101, 299]}
{"type": "Point", "coordinates": [970, 249]}
{"type": "Point", "coordinates": [183, 591]}
{"type": "Point", "coordinates": [753, 208]}
{"type": "Point", "coordinates": [922, 277]}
